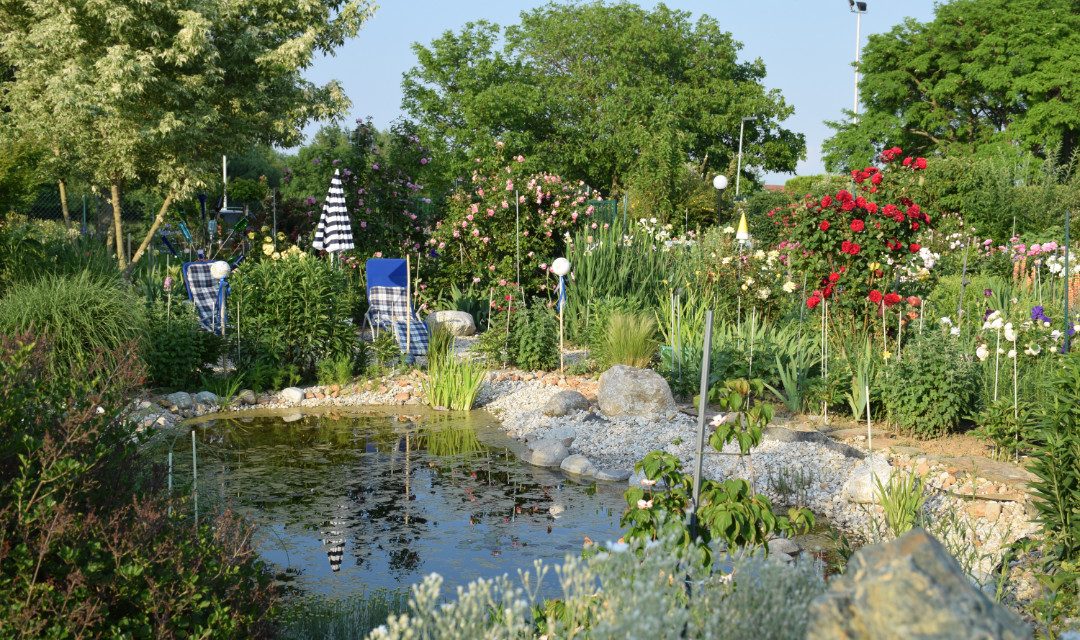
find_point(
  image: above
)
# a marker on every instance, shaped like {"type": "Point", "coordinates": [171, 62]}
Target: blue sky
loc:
{"type": "Point", "coordinates": [807, 45]}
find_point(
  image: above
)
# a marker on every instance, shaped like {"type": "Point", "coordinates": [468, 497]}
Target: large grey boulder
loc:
{"type": "Point", "coordinates": [861, 485]}
{"type": "Point", "coordinates": [181, 400]}
{"type": "Point", "coordinates": [578, 465]}
{"type": "Point", "coordinates": [628, 391]}
{"type": "Point", "coordinates": [564, 403]}
{"type": "Point", "coordinates": [547, 453]}
{"type": "Point", "coordinates": [207, 398]}
{"type": "Point", "coordinates": [291, 395]}
{"type": "Point", "coordinates": [908, 588]}
{"type": "Point", "coordinates": [458, 323]}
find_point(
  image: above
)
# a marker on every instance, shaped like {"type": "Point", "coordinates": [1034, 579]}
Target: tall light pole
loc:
{"type": "Point", "coordinates": [719, 183]}
{"type": "Point", "coordinates": [738, 168]}
{"type": "Point", "coordinates": [858, 8]}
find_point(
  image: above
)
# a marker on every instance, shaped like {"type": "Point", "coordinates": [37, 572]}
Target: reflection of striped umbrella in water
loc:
{"type": "Point", "coordinates": [335, 539]}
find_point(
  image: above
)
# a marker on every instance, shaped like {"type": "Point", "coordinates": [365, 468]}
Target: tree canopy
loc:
{"type": "Point", "coordinates": [612, 94]}
{"type": "Point", "coordinates": [981, 70]}
{"type": "Point", "coordinates": [155, 92]}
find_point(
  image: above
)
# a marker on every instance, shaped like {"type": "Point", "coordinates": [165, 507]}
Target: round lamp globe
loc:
{"type": "Point", "coordinates": [560, 267]}
{"type": "Point", "coordinates": [719, 182]}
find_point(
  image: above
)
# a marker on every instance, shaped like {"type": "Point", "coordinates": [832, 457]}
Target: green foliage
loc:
{"type": "Point", "coordinates": [335, 370]}
{"type": "Point", "coordinates": [744, 420]}
{"type": "Point", "coordinates": [534, 339]}
{"type": "Point", "coordinates": [453, 383]}
{"type": "Point", "coordinates": [575, 86]}
{"type": "Point", "coordinates": [87, 544]}
{"type": "Point", "coordinates": [794, 373]}
{"type": "Point", "coordinates": [630, 339]}
{"type": "Point", "coordinates": [295, 311]}
{"type": "Point", "coordinates": [80, 317]}
{"type": "Point", "coordinates": [902, 499]}
{"type": "Point", "coordinates": [1055, 459]}
{"type": "Point", "coordinates": [932, 387]}
{"type": "Point", "coordinates": [176, 349]}
{"type": "Point", "coordinates": [1008, 428]}
{"type": "Point", "coordinates": [352, 617]}
{"type": "Point", "coordinates": [386, 349]}
{"type": "Point", "coordinates": [944, 85]}
{"type": "Point", "coordinates": [21, 254]}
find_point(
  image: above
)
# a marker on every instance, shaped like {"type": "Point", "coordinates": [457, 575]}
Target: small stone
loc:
{"type": "Point", "coordinates": [578, 464]}
{"type": "Point", "coordinates": [628, 391]}
{"type": "Point", "coordinates": [181, 400]}
{"type": "Point", "coordinates": [922, 467]}
{"type": "Point", "coordinates": [987, 509]}
{"type": "Point", "coordinates": [246, 396]}
{"type": "Point", "coordinates": [613, 475]}
{"type": "Point", "coordinates": [457, 323]}
{"type": "Point", "coordinates": [861, 485]}
{"type": "Point", "coordinates": [556, 510]}
{"type": "Point", "coordinates": [401, 396]}
{"type": "Point", "coordinates": [564, 403]}
{"type": "Point", "coordinates": [310, 395]}
{"type": "Point", "coordinates": [547, 453]}
{"type": "Point", "coordinates": [291, 395]}
{"type": "Point", "coordinates": [784, 548]}
{"type": "Point", "coordinates": [291, 417]}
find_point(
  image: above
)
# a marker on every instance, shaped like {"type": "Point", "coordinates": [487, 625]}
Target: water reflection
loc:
{"type": "Point", "coordinates": [382, 500]}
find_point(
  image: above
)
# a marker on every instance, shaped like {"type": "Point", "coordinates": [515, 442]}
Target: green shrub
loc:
{"type": "Point", "coordinates": [629, 339]}
{"type": "Point", "coordinates": [80, 317]}
{"type": "Point", "coordinates": [1056, 459]}
{"type": "Point", "coordinates": [89, 548]}
{"type": "Point", "coordinates": [534, 339]}
{"type": "Point", "coordinates": [932, 387]}
{"type": "Point", "coordinates": [176, 349]}
{"type": "Point", "coordinates": [295, 311]}
{"type": "Point", "coordinates": [336, 370]}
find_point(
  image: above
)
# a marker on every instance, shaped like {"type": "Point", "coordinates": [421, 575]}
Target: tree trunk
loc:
{"type": "Point", "coordinates": [64, 204]}
{"type": "Point", "coordinates": [118, 226]}
{"type": "Point", "coordinates": [158, 219]}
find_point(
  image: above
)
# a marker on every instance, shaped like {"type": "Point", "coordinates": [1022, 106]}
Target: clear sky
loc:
{"type": "Point", "coordinates": [807, 45]}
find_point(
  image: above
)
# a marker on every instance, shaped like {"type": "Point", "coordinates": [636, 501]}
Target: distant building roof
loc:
{"type": "Point", "coordinates": [775, 187]}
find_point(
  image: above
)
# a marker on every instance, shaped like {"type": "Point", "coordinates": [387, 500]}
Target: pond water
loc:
{"type": "Point", "coordinates": [344, 504]}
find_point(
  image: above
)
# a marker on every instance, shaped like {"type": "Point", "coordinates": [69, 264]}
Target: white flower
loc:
{"type": "Point", "coordinates": [1012, 353]}
{"type": "Point", "coordinates": [726, 260]}
{"type": "Point", "coordinates": [997, 323]}
{"type": "Point", "coordinates": [763, 294]}
{"type": "Point", "coordinates": [648, 483]}
{"type": "Point", "coordinates": [616, 547]}
{"type": "Point", "coordinates": [219, 270]}
{"type": "Point", "coordinates": [1033, 349]}
{"type": "Point", "coordinates": [729, 229]}
{"type": "Point", "coordinates": [946, 321]}
{"type": "Point", "coordinates": [1055, 334]}
{"type": "Point", "coordinates": [982, 352]}
{"type": "Point", "coordinates": [644, 504]}
{"type": "Point", "coordinates": [1010, 333]}
{"type": "Point", "coordinates": [955, 331]}
{"type": "Point", "coordinates": [759, 254]}
{"type": "Point", "coordinates": [790, 287]}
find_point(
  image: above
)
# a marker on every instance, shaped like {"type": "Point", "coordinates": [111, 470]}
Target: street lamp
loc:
{"type": "Point", "coordinates": [561, 267]}
{"type": "Point", "coordinates": [719, 183]}
{"type": "Point", "coordinates": [858, 8]}
{"type": "Point", "coordinates": [738, 168]}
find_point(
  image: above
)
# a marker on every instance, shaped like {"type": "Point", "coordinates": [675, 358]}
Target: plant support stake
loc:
{"type": "Point", "coordinates": [195, 482]}
{"type": "Point", "coordinates": [703, 402]}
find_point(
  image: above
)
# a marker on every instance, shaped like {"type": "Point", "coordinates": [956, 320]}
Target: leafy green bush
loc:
{"type": "Point", "coordinates": [80, 317]}
{"type": "Point", "coordinates": [630, 339]}
{"type": "Point", "coordinates": [176, 349]}
{"type": "Point", "coordinates": [931, 389]}
{"type": "Point", "coordinates": [1056, 459]}
{"type": "Point", "coordinates": [534, 339]}
{"type": "Point", "coordinates": [295, 310]}
{"type": "Point", "coordinates": [337, 370]}
{"type": "Point", "coordinates": [89, 548]}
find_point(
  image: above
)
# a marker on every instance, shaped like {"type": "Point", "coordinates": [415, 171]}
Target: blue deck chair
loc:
{"type": "Point", "coordinates": [389, 307]}
{"type": "Point", "coordinates": [205, 293]}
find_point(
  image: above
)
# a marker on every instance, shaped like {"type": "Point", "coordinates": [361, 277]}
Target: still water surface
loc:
{"type": "Point", "coordinates": [344, 504]}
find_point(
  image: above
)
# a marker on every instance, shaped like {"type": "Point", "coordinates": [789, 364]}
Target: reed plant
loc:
{"type": "Point", "coordinates": [451, 382]}
{"type": "Point", "coordinates": [353, 617]}
{"type": "Point", "coordinates": [630, 339]}
{"type": "Point", "coordinates": [902, 499]}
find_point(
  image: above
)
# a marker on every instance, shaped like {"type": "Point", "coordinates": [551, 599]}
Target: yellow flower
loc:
{"type": "Point", "coordinates": [251, 235]}
{"type": "Point", "coordinates": [268, 239]}
{"type": "Point", "coordinates": [264, 229]}
{"type": "Point", "coordinates": [874, 266]}
{"type": "Point", "coordinates": [280, 235]}
{"type": "Point", "coordinates": [267, 249]}
{"type": "Point", "coordinates": [886, 354]}
{"type": "Point", "coordinates": [275, 255]}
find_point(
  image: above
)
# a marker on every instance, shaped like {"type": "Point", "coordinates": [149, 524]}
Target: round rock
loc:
{"type": "Point", "coordinates": [547, 453]}
{"type": "Point", "coordinates": [628, 391]}
{"type": "Point", "coordinates": [613, 475]}
{"type": "Point", "coordinates": [181, 400]}
{"type": "Point", "coordinates": [861, 485]}
{"type": "Point", "coordinates": [458, 323]}
{"type": "Point", "coordinates": [292, 395]}
{"type": "Point", "coordinates": [208, 398]}
{"type": "Point", "coordinates": [578, 465]}
{"type": "Point", "coordinates": [564, 403]}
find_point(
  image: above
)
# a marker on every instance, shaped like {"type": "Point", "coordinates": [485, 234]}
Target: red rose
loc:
{"type": "Point", "coordinates": [857, 225]}
{"type": "Point", "coordinates": [812, 302]}
{"type": "Point", "coordinates": [847, 205]}
{"type": "Point", "coordinates": [834, 276]}
{"type": "Point", "coordinates": [891, 299]}
{"type": "Point", "coordinates": [843, 195]}
{"type": "Point", "coordinates": [875, 179]}
{"type": "Point", "coordinates": [875, 296]}
{"type": "Point", "coordinates": [824, 226]}
{"type": "Point", "coordinates": [914, 248]}
{"type": "Point", "coordinates": [914, 226]}
{"type": "Point", "coordinates": [920, 163]}
{"type": "Point", "coordinates": [845, 247]}
{"type": "Point", "coordinates": [855, 248]}
{"type": "Point", "coordinates": [878, 273]}
{"type": "Point", "coordinates": [871, 207]}
{"type": "Point", "coordinates": [826, 202]}
{"type": "Point", "coordinates": [907, 161]}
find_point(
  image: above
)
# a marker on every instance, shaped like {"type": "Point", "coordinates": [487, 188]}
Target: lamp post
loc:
{"type": "Point", "coordinates": [858, 8]}
{"type": "Point", "coordinates": [561, 267]}
{"type": "Point", "coordinates": [738, 163]}
{"type": "Point", "coordinates": [719, 183]}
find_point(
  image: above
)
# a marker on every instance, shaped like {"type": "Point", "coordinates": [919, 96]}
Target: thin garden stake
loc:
{"type": "Point", "coordinates": [963, 285]}
{"type": "Point", "coordinates": [491, 296]}
{"type": "Point", "coordinates": [1016, 408]}
{"type": "Point", "coordinates": [170, 482]}
{"type": "Point", "coordinates": [753, 324]}
{"type": "Point", "coordinates": [997, 363]}
{"type": "Point", "coordinates": [408, 309]}
{"type": "Point", "coordinates": [703, 400]}
{"type": "Point", "coordinates": [1068, 322]}
{"type": "Point", "coordinates": [195, 481]}
{"type": "Point", "coordinates": [869, 431]}
{"type": "Point", "coordinates": [899, 331]}
{"type": "Point", "coordinates": [517, 235]}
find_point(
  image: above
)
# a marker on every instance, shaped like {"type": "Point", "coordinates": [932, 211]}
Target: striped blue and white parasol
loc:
{"type": "Point", "coordinates": [334, 232]}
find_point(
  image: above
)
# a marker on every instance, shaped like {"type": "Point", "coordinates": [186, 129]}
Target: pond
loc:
{"type": "Point", "coordinates": [345, 504]}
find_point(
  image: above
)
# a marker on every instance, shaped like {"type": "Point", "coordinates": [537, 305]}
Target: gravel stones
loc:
{"type": "Point", "coordinates": [908, 588]}
{"type": "Point", "coordinates": [578, 465]}
{"type": "Point", "coordinates": [628, 391]}
{"type": "Point", "coordinates": [291, 395]}
{"type": "Point", "coordinates": [564, 403]}
{"type": "Point", "coordinates": [458, 323]}
{"type": "Point", "coordinates": [547, 453]}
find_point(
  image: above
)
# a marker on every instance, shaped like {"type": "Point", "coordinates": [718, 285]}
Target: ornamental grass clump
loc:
{"type": "Point", "coordinates": [630, 339]}
{"type": "Point", "coordinates": [451, 382]}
